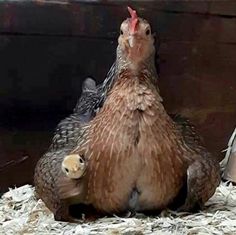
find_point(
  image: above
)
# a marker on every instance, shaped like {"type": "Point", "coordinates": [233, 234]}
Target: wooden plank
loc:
{"type": "Point", "coordinates": [20, 150]}
{"type": "Point", "coordinates": [218, 30]}
{"type": "Point", "coordinates": [93, 20]}
{"type": "Point", "coordinates": [180, 6]}
{"type": "Point", "coordinates": [223, 8]}
{"type": "Point", "coordinates": [191, 6]}
{"type": "Point", "coordinates": [32, 66]}
{"type": "Point", "coordinates": [198, 80]}
{"type": "Point", "coordinates": [200, 7]}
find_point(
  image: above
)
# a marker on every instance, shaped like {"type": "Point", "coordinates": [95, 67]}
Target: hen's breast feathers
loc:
{"type": "Point", "coordinates": [132, 135]}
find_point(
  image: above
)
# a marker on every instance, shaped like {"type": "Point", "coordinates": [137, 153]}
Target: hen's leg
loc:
{"type": "Point", "coordinates": [203, 177]}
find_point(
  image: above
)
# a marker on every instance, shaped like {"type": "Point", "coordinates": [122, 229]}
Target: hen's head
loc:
{"type": "Point", "coordinates": [136, 42]}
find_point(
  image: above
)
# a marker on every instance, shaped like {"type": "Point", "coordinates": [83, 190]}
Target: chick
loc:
{"type": "Point", "coordinates": [73, 166]}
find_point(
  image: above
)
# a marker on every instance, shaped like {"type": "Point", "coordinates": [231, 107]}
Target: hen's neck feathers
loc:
{"type": "Point", "coordinates": [122, 64]}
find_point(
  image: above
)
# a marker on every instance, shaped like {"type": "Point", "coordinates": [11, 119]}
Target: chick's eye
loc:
{"type": "Point", "coordinates": [81, 160]}
{"type": "Point", "coordinates": [121, 32]}
{"type": "Point", "coordinates": [147, 32]}
{"type": "Point", "coordinates": [66, 169]}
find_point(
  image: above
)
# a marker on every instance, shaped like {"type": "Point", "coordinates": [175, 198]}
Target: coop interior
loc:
{"type": "Point", "coordinates": [48, 48]}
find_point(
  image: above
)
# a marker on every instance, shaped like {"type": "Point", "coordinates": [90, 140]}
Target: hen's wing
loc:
{"type": "Point", "coordinates": [188, 131]}
{"type": "Point", "coordinates": [68, 131]}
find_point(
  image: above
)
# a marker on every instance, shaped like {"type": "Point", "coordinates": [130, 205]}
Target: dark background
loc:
{"type": "Point", "coordinates": [47, 48]}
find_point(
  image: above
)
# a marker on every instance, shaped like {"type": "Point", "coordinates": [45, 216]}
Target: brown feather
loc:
{"type": "Point", "coordinates": [118, 162]}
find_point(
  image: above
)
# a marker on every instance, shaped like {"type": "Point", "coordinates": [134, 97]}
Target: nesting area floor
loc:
{"type": "Point", "coordinates": [21, 213]}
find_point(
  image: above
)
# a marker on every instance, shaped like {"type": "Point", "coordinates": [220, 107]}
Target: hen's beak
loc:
{"type": "Point", "coordinates": [131, 41]}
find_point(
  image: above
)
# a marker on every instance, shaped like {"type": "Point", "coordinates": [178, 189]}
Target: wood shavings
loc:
{"type": "Point", "coordinates": [21, 213]}
{"type": "Point", "coordinates": [228, 164]}
{"type": "Point", "coordinates": [230, 148]}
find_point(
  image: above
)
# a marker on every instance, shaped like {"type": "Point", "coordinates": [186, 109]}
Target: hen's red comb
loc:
{"type": "Point", "coordinates": [134, 19]}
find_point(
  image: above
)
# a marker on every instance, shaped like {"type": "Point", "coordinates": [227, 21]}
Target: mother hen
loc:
{"type": "Point", "coordinates": [132, 145]}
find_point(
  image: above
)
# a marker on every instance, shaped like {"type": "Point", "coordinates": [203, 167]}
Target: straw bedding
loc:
{"type": "Point", "coordinates": [21, 213]}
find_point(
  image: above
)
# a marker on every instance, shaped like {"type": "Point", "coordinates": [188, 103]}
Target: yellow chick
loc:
{"type": "Point", "coordinates": [73, 166]}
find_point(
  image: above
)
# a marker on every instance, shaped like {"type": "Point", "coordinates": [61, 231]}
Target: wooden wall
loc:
{"type": "Point", "coordinates": [48, 47]}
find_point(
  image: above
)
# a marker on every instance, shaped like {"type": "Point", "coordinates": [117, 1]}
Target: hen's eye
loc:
{"type": "Point", "coordinates": [121, 32]}
{"type": "Point", "coordinates": [147, 32]}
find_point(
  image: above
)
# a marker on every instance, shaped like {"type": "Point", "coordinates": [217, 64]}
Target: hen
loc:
{"type": "Point", "coordinates": [132, 144]}
{"type": "Point", "coordinates": [48, 175]}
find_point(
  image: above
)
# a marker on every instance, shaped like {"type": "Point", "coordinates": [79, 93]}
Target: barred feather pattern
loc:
{"type": "Point", "coordinates": [189, 133]}
{"type": "Point", "coordinates": [50, 183]}
{"type": "Point", "coordinates": [69, 130]}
